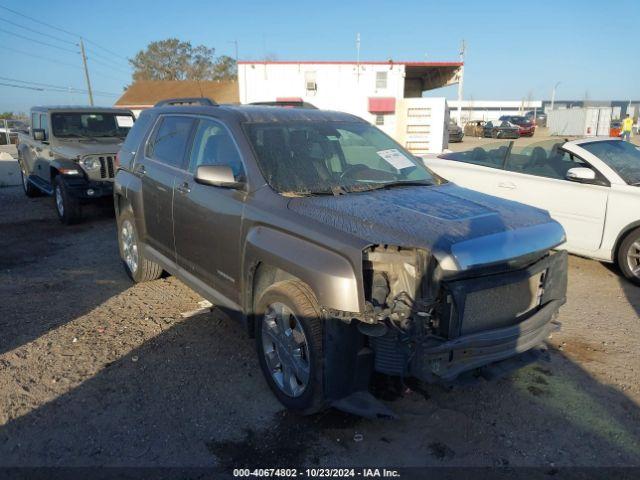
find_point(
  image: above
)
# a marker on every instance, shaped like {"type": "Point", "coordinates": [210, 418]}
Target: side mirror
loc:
{"type": "Point", "coordinates": [217, 176]}
{"type": "Point", "coordinates": [581, 175]}
{"type": "Point", "coordinates": [38, 134]}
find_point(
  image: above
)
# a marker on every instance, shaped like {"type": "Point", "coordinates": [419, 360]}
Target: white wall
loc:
{"type": "Point", "coordinates": [339, 86]}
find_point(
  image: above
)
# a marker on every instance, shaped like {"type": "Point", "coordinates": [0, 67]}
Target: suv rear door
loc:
{"type": "Point", "coordinates": [161, 164]}
{"type": "Point", "coordinates": [208, 219]}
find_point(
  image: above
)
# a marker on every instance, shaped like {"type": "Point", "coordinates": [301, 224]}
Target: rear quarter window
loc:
{"type": "Point", "coordinates": [136, 135]}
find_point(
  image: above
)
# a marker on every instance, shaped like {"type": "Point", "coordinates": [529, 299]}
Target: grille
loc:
{"type": "Point", "coordinates": [106, 166]}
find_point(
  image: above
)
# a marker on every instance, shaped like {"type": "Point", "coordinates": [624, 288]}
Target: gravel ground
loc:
{"type": "Point", "coordinates": [97, 371]}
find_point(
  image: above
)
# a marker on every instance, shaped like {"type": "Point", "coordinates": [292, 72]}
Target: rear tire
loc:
{"type": "Point", "coordinates": [138, 267]}
{"type": "Point", "coordinates": [629, 256]}
{"type": "Point", "coordinates": [67, 207]}
{"type": "Point", "coordinates": [289, 330]}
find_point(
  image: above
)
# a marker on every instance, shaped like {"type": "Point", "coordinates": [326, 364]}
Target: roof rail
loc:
{"type": "Point", "coordinates": [186, 101]}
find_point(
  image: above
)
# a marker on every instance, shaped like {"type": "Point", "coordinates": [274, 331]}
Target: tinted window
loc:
{"type": "Point", "coordinates": [44, 125]}
{"type": "Point", "coordinates": [35, 120]}
{"type": "Point", "coordinates": [170, 140]}
{"type": "Point", "coordinates": [212, 145]}
{"type": "Point", "coordinates": [544, 159]}
{"type": "Point", "coordinates": [90, 124]}
{"type": "Point", "coordinates": [491, 155]}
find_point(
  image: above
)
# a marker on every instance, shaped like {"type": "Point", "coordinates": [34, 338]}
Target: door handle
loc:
{"type": "Point", "coordinates": [184, 188]}
{"type": "Point", "coordinates": [507, 185]}
{"type": "Point", "coordinates": [140, 170]}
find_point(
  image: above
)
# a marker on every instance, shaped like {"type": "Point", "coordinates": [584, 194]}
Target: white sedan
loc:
{"type": "Point", "coordinates": [590, 186]}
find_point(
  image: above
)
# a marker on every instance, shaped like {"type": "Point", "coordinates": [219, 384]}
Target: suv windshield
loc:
{"type": "Point", "coordinates": [303, 158]}
{"type": "Point", "coordinates": [623, 157]}
{"type": "Point", "coordinates": [92, 125]}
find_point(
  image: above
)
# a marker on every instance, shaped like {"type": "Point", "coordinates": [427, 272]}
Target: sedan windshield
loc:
{"type": "Point", "coordinates": [622, 157]}
{"type": "Point", "coordinates": [306, 158]}
{"type": "Point", "coordinates": [91, 125]}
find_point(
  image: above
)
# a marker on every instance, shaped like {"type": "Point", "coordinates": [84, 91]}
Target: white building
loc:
{"type": "Point", "coordinates": [493, 109]}
{"type": "Point", "coordinates": [388, 94]}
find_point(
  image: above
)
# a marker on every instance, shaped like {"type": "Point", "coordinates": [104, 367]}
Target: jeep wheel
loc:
{"type": "Point", "coordinates": [30, 190]}
{"type": "Point", "coordinates": [289, 344]}
{"type": "Point", "coordinates": [629, 256]}
{"type": "Point", "coordinates": [135, 264]}
{"type": "Point", "coordinates": [68, 208]}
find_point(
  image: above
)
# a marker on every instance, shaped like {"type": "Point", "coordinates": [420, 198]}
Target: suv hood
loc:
{"type": "Point", "coordinates": [72, 149]}
{"type": "Point", "coordinates": [463, 229]}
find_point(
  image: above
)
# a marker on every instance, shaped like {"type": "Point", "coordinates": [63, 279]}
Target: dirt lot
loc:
{"type": "Point", "coordinates": [97, 371]}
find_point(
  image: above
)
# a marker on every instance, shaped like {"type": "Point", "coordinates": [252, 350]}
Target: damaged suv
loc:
{"type": "Point", "coordinates": [341, 254]}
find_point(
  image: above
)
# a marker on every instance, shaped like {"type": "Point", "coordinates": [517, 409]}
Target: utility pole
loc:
{"type": "Point", "coordinates": [86, 72]}
{"type": "Point", "coordinates": [461, 83]}
{"type": "Point", "coordinates": [553, 94]}
{"type": "Point", "coordinates": [358, 56]}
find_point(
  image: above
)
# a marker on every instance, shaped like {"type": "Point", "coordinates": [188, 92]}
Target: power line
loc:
{"type": "Point", "coordinates": [40, 57]}
{"type": "Point", "coordinates": [61, 30]}
{"type": "Point", "coordinates": [38, 32]}
{"type": "Point", "coordinates": [37, 41]}
{"type": "Point", "coordinates": [115, 63]}
{"type": "Point", "coordinates": [99, 62]}
{"type": "Point", "coordinates": [42, 89]}
{"type": "Point", "coordinates": [22, 86]}
{"type": "Point", "coordinates": [39, 84]}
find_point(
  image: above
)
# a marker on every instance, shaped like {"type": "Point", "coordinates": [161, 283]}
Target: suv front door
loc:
{"type": "Point", "coordinates": [162, 162]}
{"type": "Point", "coordinates": [208, 219]}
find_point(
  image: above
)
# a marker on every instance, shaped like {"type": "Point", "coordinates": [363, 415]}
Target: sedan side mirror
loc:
{"type": "Point", "coordinates": [217, 176]}
{"type": "Point", "coordinates": [581, 175]}
{"type": "Point", "coordinates": [38, 134]}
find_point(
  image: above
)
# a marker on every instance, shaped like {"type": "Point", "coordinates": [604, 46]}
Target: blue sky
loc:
{"type": "Point", "coordinates": [515, 48]}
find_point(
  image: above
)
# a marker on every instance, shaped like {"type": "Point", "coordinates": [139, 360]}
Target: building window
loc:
{"type": "Point", "coordinates": [379, 119]}
{"type": "Point", "coordinates": [310, 84]}
{"type": "Point", "coordinates": [381, 80]}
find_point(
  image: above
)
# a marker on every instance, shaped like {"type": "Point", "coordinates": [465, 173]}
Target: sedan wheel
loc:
{"type": "Point", "coordinates": [633, 259]}
{"type": "Point", "coordinates": [286, 350]}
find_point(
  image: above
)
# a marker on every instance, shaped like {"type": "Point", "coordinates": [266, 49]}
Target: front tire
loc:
{"type": "Point", "coordinates": [138, 267]}
{"type": "Point", "coordinates": [289, 329]}
{"type": "Point", "coordinates": [629, 256]}
{"type": "Point", "coordinates": [30, 190]}
{"type": "Point", "coordinates": [67, 207]}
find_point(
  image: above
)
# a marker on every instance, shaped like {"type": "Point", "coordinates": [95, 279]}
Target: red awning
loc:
{"type": "Point", "coordinates": [382, 105]}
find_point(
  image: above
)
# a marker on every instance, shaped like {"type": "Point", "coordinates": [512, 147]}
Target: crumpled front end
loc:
{"type": "Point", "coordinates": [433, 326]}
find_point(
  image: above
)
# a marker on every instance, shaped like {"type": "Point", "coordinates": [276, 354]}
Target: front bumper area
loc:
{"type": "Point", "coordinates": [83, 188]}
{"type": "Point", "coordinates": [447, 360]}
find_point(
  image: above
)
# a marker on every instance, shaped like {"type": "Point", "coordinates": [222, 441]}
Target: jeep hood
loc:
{"type": "Point", "coordinates": [463, 229]}
{"type": "Point", "coordinates": [72, 149]}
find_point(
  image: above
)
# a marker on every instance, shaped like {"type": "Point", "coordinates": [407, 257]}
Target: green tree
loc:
{"type": "Point", "coordinates": [173, 59]}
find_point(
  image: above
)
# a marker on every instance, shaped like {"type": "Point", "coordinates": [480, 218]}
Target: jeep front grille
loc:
{"type": "Point", "coordinates": [106, 166]}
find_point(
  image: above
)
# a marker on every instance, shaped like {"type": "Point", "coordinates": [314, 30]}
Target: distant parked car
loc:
{"type": "Point", "coordinates": [538, 117]}
{"type": "Point", "coordinates": [526, 127]}
{"type": "Point", "coordinates": [500, 129]}
{"type": "Point", "coordinates": [474, 128]}
{"type": "Point", "coordinates": [286, 104]}
{"type": "Point", "coordinates": [455, 132]}
{"type": "Point", "coordinates": [591, 186]}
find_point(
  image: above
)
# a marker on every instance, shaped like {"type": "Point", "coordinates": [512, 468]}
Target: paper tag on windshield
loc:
{"type": "Point", "coordinates": [124, 121]}
{"type": "Point", "coordinates": [396, 159]}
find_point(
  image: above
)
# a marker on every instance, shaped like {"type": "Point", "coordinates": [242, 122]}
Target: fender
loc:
{"type": "Point", "coordinates": [63, 163]}
{"type": "Point", "coordinates": [331, 276]}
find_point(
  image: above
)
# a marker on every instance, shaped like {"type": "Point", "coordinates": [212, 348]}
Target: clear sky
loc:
{"type": "Point", "coordinates": [515, 49]}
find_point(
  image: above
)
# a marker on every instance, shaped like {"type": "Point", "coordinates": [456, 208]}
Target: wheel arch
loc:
{"type": "Point", "coordinates": [622, 235]}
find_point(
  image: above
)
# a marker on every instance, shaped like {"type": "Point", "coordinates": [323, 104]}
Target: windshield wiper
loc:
{"type": "Point", "coordinates": [400, 183]}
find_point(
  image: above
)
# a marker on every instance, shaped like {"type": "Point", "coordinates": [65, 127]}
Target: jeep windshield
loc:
{"type": "Point", "coordinates": [90, 125]}
{"type": "Point", "coordinates": [319, 158]}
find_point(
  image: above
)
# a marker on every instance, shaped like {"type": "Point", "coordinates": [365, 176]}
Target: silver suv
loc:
{"type": "Point", "coordinates": [335, 247]}
{"type": "Point", "coordinates": [70, 153]}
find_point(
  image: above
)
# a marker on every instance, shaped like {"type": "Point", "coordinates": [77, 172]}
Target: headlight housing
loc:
{"type": "Point", "coordinates": [90, 163]}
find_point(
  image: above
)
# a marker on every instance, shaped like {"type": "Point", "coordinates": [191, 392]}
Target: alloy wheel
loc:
{"type": "Point", "coordinates": [286, 350]}
{"type": "Point", "coordinates": [633, 258]}
{"type": "Point", "coordinates": [59, 200]}
{"type": "Point", "coordinates": [129, 245]}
